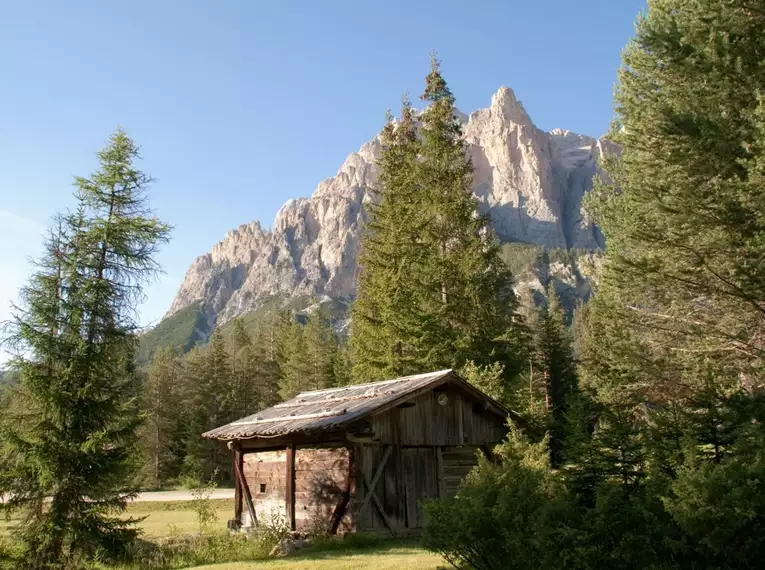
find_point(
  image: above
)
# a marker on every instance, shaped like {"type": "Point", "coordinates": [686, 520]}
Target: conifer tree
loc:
{"type": "Point", "coordinates": [244, 370]}
{"type": "Point", "coordinates": [266, 366]}
{"type": "Point", "coordinates": [225, 392]}
{"type": "Point", "coordinates": [321, 348]}
{"type": "Point", "coordinates": [433, 291]}
{"type": "Point", "coordinates": [200, 402]}
{"type": "Point", "coordinates": [295, 369]}
{"type": "Point", "coordinates": [163, 404]}
{"type": "Point", "coordinates": [684, 212]}
{"type": "Point", "coordinates": [556, 360]}
{"type": "Point", "coordinates": [74, 441]}
{"type": "Point", "coordinates": [385, 315]}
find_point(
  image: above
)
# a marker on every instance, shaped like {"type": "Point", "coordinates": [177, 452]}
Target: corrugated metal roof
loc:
{"type": "Point", "coordinates": [328, 409]}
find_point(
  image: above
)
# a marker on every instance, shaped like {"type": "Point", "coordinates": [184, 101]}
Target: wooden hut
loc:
{"type": "Point", "coordinates": [362, 457]}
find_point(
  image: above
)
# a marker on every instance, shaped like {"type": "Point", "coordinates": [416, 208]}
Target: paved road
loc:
{"type": "Point", "coordinates": [181, 495]}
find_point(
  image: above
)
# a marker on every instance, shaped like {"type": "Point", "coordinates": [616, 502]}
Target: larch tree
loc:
{"type": "Point", "coordinates": [68, 455]}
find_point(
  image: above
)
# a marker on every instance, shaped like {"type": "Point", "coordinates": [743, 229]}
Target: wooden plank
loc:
{"type": "Point", "coordinates": [378, 473]}
{"type": "Point", "coordinates": [440, 471]}
{"type": "Point", "coordinates": [290, 486]}
{"type": "Point", "coordinates": [247, 495]}
{"type": "Point", "coordinates": [379, 506]}
{"type": "Point", "coordinates": [238, 468]}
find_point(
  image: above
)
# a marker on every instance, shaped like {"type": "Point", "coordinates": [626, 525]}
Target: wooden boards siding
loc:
{"type": "Point", "coordinates": [389, 488]}
{"type": "Point", "coordinates": [460, 420]}
{"type": "Point", "coordinates": [321, 484]}
{"type": "Point", "coordinates": [456, 463]}
{"type": "Point", "coordinates": [265, 473]}
{"type": "Point", "coordinates": [420, 481]}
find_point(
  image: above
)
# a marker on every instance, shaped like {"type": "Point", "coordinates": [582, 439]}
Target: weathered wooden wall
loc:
{"type": "Point", "coordinates": [322, 481]}
{"type": "Point", "coordinates": [456, 462]}
{"type": "Point", "coordinates": [377, 480]}
{"type": "Point", "coordinates": [265, 474]}
{"type": "Point", "coordinates": [407, 476]}
{"type": "Point", "coordinates": [461, 421]}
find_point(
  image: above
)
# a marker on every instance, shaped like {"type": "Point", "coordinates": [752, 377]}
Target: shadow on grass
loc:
{"type": "Point", "coordinates": [356, 544]}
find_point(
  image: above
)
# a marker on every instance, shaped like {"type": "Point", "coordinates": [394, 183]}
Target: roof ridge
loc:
{"type": "Point", "coordinates": [375, 383]}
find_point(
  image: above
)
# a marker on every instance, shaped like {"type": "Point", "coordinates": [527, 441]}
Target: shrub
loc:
{"type": "Point", "coordinates": [506, 515]}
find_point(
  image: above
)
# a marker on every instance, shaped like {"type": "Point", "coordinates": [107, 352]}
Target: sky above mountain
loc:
{"type": "Point", "coordinates": [241, 105]}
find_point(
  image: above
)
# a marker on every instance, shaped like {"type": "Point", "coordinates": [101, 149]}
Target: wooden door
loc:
{"type": "Point", "coordinates": [420, 481]}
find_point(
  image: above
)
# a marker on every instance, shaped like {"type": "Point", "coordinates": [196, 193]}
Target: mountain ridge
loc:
{"type": "Point", "coordinates": [530, 182]}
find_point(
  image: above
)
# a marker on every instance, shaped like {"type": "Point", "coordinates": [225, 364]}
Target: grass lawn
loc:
{"type": "Point", "coordinates": [177, 517]}
{"type": "Point", "coordinates": [165, 519]}
{"type": "Point", "coordinates": [383, 558]}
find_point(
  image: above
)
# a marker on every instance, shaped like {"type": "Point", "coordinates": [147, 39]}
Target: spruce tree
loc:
{"type": "Point", "coordinates": [433, 291]}
{"type": "Point", "coordinates": [684, 213]}
{"type": "Point", "coordinates": [200, 403]}
{"type": "Point", "coordinates": [68, 455]}
{"type": "Point", "coordinates": [556, 361]}
{"type": "Point", "coordinates": [223, 388]}
{"type": "Point", "coordinates": [295, 370]}
{"type": "Point", "coordinates": [244, 370]}
{"type": "Point", "coordinates": [321, 348]}
{"type": "Point", "coordinates": [163, 404]}
{"type": "Point", "coordinates": [385, 316]}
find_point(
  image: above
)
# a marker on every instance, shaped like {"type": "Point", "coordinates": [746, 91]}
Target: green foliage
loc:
{"type": "Point", "coordinates": [70, 434]}
{"type": "Point", "coordinates": [555, 358]}
{"type": "Point", "coordinates": [203, 506]}
{"type": "Point", "coordinates": [522, 258]}
{"type": "Point", "coordinates": [183, 330]}
{"type": "Point", "coordinates": [433, 293]}
{"type": "Point", "coordinates": [506, 515]}
{"type": "Point", "coordinates": [161, 401]}
{"type": "Point", "coordinates": [684, 212]}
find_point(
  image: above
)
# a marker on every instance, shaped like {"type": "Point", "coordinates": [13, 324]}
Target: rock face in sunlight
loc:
{"type": "Point", "coordinates": [530, 182]}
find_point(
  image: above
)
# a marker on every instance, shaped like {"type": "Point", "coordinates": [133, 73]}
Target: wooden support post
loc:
{"type": "Point", "coordinates": [290, 486]}
{"type": "Point", "coordinates": [440, 471]}
{"type": "Point", "coordinates": [238, 468]}
{"type": "Point", "coordinates": [459, 405]}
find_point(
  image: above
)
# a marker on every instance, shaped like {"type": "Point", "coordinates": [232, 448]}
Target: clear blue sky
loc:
{"type": "Point", "coordinates": [240, 105]}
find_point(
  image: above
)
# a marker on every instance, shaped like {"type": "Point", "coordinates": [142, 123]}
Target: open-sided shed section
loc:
{"type": "Point", "coordinates": [361, 457]}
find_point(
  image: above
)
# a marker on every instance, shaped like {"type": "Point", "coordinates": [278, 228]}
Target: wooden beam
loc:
{"type": "Point", "coordinates": [342, 506]}
{"type": "Point", "coordinates": [290, 486]}
{"type": "Point", "coordinates": [460, 406]}
{"type": "Point", "coordinates": [238, 467]}
{"type": "Point", "coordinates": [440, 471]}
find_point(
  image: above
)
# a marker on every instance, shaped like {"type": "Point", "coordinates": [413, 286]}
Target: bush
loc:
{"type": "Point", "coordinates": [720, 508]}
{"type": "Point", "coordinates": [519, 514]}
{"type": "Point", "coordinates": [506, 516]}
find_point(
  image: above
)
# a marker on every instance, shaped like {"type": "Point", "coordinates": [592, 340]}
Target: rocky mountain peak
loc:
{"type": "Point", "coordinates": [505, 102]}
{"type": "Point", "coordinates": [530, 182]}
